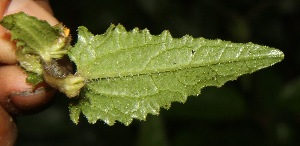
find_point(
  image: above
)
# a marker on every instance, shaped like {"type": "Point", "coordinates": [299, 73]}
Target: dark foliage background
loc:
{"type": "Point", "coordinates": [258, 109]}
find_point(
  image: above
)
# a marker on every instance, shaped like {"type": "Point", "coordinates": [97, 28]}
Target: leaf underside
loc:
{"type": "Point", "coordinates": [130, 74]}
{"type": "Point", "coordinates": [35, 37]}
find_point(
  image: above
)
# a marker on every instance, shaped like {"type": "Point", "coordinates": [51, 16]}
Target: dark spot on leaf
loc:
{"type": "Point", "coordinates": [193, 52]}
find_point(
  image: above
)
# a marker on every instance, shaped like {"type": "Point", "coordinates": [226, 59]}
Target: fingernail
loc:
{"type": "Point", "coordinates": [26, 102]}
{"type": "Point", "coordinates": [40, 90]}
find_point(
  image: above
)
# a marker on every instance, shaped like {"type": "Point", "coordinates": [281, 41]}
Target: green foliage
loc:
{"type": "Point", "coordinates": [129, 74]}
{"type": "Point", "coordinates": [36, 36]}
{"type": "Point", "coordinates": [34, 79]}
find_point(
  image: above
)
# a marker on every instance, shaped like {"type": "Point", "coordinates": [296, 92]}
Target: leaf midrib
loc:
{"type": "Point", "coordinates": [149, 72]}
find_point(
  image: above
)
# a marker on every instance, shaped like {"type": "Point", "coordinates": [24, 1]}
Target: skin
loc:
{"type": "Point", "coordinates": [16, 96]}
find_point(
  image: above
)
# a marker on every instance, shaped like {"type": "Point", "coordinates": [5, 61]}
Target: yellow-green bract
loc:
{"type": "Point", "coordinates": [129, 74]}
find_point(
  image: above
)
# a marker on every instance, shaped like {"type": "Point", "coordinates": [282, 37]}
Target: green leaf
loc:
{"type": "Point", "coordinates": [131, 74]}
{"type": "Point", "coordinates": [30, 62]}
{"type": "Point", "coordinates": [40, 48]}
{"type": "Point", "coordinates": [127, 75]}
{"type": "Point", "coordinates": [34, 79]}
{"type": "Point", "coordinates": [36, 36]}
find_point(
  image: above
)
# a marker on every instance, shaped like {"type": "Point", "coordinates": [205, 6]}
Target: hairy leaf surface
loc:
{"type": "Point", "coordinates": [36, 37]}
{"type": "Point", "coordinates": [128, 74]}
{"type": "Point", "coordinates": [131, 74]}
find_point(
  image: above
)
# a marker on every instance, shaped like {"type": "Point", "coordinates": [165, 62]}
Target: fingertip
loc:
{"type": "Point", "coordinates": [7, 48]}
{"type": "Point", "coordinates": [3, 7]}
{"type": "Point", "coordinates": [44, 4]}
{"type": "Point", "coordinates": [40, 10]}
{"type": "Point", "coordinates": [12, 79]}
{"type": "Point", "coordinates": [19, 97]}
{"type": "Point", "coordinates": [8, 129]}
{"type": "Point", "coordinates": [29, 102]}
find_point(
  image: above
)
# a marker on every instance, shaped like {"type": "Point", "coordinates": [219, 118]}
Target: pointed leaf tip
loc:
{"type": "Point", "coordinates": [132, 73]}
{"type": "Point", "coordinates": [129, 74]}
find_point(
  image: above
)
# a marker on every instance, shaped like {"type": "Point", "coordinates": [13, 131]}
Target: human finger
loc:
{"type": "Point", "coordinates": [16, 95]}
{"type": "Point", "coordinates": [8, 129]}
{"type": "Point", "coordinates": [19, 97]}
{"type": "Point", "coordinates": [40, 9]}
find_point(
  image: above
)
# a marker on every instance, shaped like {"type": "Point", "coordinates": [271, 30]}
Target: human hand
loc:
{"type": "Point", "coordinates": [16, 96]}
